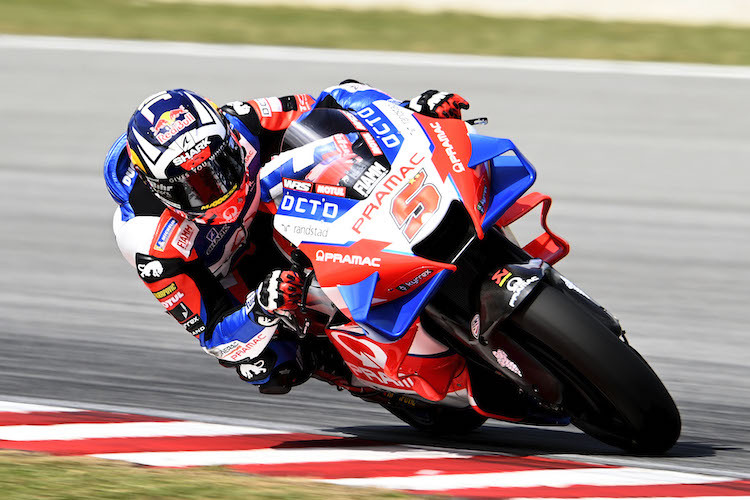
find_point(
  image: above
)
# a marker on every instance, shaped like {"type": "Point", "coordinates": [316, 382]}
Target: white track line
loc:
{"type": "Point", "coordinates": [10, 406]}
{"type": "Point", "coordinates": [626, 476]}
{"type": "Point", "coordinates": [75, 406]}
{"type": "Point", "coordinates": [339, 57]}
{"type": "Point", "coordinates": [274, 456]}
{"type": "Point", "coordinates": [66, 432]}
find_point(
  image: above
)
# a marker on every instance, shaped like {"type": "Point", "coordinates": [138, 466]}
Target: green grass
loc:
{"type": "Point", "coordinates": [382, 30]}
{"type": "Point", "coordinates": [30, 476]}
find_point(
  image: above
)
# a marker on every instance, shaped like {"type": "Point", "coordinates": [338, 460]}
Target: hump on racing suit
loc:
{"type": "Point", "coordinates": [205, 275]}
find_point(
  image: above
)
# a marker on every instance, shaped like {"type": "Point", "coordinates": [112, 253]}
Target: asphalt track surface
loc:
{"type": "Point", "coordinates": [647, 166]}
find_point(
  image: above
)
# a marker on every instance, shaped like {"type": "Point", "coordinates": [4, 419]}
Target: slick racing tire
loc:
{"type": "Point", "coordinates": [610, 392]}
{"type": "Point", "coordinates": [437, 419]}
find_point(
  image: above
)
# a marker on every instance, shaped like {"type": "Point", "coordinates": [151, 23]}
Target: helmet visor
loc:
{"type": "Point", "coordinates": [206, 185]}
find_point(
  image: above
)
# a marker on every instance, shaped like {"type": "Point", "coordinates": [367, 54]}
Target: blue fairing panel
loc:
{"type": "Point", "coordinates": [358, 297]}
{"type": "Point", "coordinates": [485, 148]}
{"type": "Point", "coordinates": [354, 99]}
{"type": "Point", "coordinates": [511, 174]}
{"type": "Point", "coordinates": [391, 320]}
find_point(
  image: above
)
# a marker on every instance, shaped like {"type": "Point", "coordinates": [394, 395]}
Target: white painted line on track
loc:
{"type": "Point", "coordinates": [273, 456]}
{"type": "Point", "coordinates": [67, 432]}
{"type": "Point", "coordinates": [73, 406]}
{"type": "Point", "coordinates": [338, 56]}
{"type": "Point", "coordinates": [627, 476]}
{"type": "Point", "coordinates": [10, 406]}
{"type": "Point", "coordinates": [634, 461]}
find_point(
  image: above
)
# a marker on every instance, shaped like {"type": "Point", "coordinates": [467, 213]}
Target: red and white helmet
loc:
{"type": "Point", "coordinates": [189, 156]}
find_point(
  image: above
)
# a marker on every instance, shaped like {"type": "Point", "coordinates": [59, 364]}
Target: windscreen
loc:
{"type": "Point", "coordinates": [344, 153]}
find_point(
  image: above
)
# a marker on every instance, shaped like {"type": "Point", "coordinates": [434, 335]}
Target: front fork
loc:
{"type": "Point", "coordinates": [494, 279]}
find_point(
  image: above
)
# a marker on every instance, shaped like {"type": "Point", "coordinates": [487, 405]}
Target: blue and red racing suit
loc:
{"type": "Point", "coordinates": [205, 275]}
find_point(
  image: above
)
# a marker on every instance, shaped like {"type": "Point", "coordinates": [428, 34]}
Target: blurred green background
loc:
{"type": "Point", "coordinates": [381, 30]}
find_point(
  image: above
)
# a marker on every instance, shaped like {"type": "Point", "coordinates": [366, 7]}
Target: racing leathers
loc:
{"type": "Point", "coordinates": [205, 276]}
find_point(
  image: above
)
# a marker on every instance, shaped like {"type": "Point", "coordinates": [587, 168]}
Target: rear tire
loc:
{"type": "Point", "coordinates": [610, 392]}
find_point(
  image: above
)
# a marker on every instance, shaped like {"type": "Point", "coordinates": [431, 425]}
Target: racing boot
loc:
{"type": "Point", "coordinates": [283, 365]}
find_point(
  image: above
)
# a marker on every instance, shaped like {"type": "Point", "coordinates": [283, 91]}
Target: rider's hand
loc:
{"type": "Point", "coordinates": [438, 104]}
{"type": "Point", "coordinates": [279, 291]}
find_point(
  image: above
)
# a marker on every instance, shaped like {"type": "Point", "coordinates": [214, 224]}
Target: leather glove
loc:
{"type": "Point", "coordinates": [438, 104]}
{"type": "Point", "coordinates": [279, 291]}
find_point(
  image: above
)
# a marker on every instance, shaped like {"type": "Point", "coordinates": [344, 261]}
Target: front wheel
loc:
{"type": "Point", "coordinates": [610, 392]}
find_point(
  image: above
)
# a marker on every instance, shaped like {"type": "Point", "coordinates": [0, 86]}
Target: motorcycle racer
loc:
{"type": "Point", "coordinates": [186, 178]}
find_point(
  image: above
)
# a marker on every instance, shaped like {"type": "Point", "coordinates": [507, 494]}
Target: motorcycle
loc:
{"type": "Point", "coordinates": [418, 296]}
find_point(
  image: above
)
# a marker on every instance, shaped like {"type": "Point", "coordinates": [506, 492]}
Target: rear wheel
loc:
{"type": "Point", "coordinates": [610, 392]}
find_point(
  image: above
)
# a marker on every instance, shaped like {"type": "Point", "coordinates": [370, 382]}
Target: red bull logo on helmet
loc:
{"type": "Point", "coordinates": [171, 123]}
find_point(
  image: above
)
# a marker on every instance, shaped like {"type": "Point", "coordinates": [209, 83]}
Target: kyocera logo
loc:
{"type": "Point", "coordinates": [355, 260]}
{"type": "Point", "coordinates": [311, 207]}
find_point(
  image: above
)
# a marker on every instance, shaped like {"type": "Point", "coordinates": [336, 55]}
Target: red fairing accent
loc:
{"type": "Point", "coordinates": [390, 365]}
{"type": "Point", "coordinates": [548, 246]}
{"type": "Point", "coordinates": [451, 157]}
{"type": "Point", "coordinates": [339, 265]}
{"type": "Point", "coordinates": [435, 377]}
{"type": "Point", "coordinates": [271, 115]}
{"type": "Point", "coordinates": [366, 358]}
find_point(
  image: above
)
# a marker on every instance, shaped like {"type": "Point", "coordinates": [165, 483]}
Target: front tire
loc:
{"type": "Point", "coordinates": [610, 392]}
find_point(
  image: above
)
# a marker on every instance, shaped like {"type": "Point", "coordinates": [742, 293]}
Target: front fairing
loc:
{"type": "Point", "coordinates": [431, 187]}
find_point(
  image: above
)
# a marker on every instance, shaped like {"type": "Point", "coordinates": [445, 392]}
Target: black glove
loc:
{"type": "Point", "coordinates": [438, 104]}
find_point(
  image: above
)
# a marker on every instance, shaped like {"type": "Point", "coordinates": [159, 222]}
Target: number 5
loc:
{"type": "Point", "coordinates": [414, 205]}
